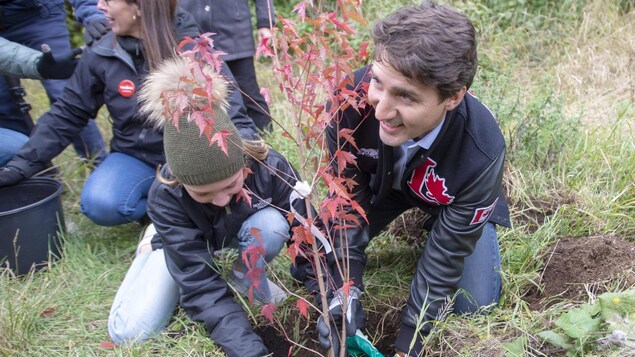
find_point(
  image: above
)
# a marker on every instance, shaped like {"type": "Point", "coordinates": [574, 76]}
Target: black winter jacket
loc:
{"type": "Point", "coordinates": [189, 233]}
{"type": "Point", "coordinates": [231, 21]}
{"type": "Point", "coordinates": [457, 182]}
{"type": "Point", "coordinates": [111, 72]}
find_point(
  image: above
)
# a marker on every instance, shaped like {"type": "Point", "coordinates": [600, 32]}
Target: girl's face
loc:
{"type": "Point", "coordinates": [124, 18]}
{"type": "Point", "coordinates": [218, 193]}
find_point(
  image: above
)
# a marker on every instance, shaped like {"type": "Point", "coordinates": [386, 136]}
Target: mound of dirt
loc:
{"type": "Point", "coordinates": [573, 265]}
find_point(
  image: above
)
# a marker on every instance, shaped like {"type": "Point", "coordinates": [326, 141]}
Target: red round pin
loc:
{"type": "Point", "coordinates": [127, 88]}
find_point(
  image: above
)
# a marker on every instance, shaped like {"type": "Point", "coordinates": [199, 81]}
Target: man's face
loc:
{"type": "Point", "coordinates": [405, 110]}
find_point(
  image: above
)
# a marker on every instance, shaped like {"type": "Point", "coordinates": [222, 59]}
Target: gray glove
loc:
{"type": "Point", "coordinates": [95, 30]}
{"type": "Point", "coordinates": [10, 176]}
{"type": "Point", "coordinates": [354, 318]}
{"type": "Point", "coordinates": [57, 67]}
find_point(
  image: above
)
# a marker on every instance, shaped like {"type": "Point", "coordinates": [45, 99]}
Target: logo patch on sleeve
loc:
{"type": "Point", "coordinates": [482, 214]}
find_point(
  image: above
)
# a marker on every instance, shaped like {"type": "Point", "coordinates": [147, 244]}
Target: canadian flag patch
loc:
{"type": "Point", "coordinates": [482, 214]}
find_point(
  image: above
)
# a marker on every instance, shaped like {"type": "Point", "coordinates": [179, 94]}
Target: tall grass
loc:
{"type": "Point", "coordinates": [558, 76]}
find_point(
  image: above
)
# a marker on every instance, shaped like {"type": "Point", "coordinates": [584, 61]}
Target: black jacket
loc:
{"type": "Point", "coordinates": [189, 233]}
{"type": "Point", "coordinates": [457, 181]}
{"type": "Point", "coordinates": [230, 20]}
{"type": "Point", "coordinates": [104, 75]}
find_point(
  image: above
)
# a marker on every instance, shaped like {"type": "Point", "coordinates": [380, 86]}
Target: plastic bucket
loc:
{"type": "Point", "coordinates": [31, 218]}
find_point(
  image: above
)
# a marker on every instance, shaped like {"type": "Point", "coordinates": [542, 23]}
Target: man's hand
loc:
{"type": "Point", "coordinates": [10, 177]}
{"type": "Point", "coordinates": [95, 30]}
{"type": "Point", "coordinates": [59, 67]}
{"type": "Point", "coordinates": [354, 318]}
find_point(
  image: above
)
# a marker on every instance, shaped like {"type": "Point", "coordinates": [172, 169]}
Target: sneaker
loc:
{"type": "Point", "coordinates": [145, 242]}
{"type": "Point", "coordinates": [237, 281]}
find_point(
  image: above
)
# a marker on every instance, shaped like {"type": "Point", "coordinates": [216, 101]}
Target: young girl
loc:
{"type": "Point", "coordinates": [111, 72]}
{"type": "Point", "coordinates": [198, 206]}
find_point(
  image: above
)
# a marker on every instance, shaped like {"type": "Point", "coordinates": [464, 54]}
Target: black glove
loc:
{"type": "Point", "coordinates": [59, 67]}
{"type": "Point", "coordinates": [354, 318]}
{"type": "Point", "coordinates": [95, 30]}
{"type": "Point", "coordinates": [10, 177]}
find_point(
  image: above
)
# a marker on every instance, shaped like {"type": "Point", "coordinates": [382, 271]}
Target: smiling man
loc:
{"type": "Point", "coordinates": [422, 140]}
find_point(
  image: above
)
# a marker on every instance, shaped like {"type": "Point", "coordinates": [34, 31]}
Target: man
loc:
{"type": "Point", "coordinates": [422, 140]}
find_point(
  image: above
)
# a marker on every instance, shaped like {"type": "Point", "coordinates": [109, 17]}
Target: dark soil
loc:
{"type": "Point", "coordinates": [381, 326]}
{"type": "Point", "coordinates": [571, 264]}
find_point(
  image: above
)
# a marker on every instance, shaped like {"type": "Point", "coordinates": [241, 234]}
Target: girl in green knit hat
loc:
{"type": "Point", "coordinates": [217, 190]}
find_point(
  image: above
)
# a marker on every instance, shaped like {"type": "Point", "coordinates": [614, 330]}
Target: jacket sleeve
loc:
{"type": "Point", "coordinates": [264, 12]}
{"type": "Point", "coordinates": [451, 239]}
{"type": "Point", "coordinates": [80, 101]}
{"type": "Point", "coordinates": [349, 243]}
{"type": "Point", "coordinates": [86, 11]}
{"type": "Point", "coordinates": [205, 296]}
{"type": "Point", "coordinates": [17, 60]}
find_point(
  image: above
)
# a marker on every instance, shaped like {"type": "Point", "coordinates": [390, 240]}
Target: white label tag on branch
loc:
{"type": "Point", "coordinates": [303, 190]}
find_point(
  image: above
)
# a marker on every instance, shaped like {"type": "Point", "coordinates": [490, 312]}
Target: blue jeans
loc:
{"type": "Point", "coordinates": [117, 191]}
{"type": "Point", "coordinates": [148, 295]}
{"type": "Point", "coordinates": [145, 300]}
{"type": "Point", "coordinates": [481, 280]}
{"type": "Point", "coordinates": [274, 231]}
{"type": "Point", "coordinates": [11, 141]}
{"type": "Point", "coordinates": [44, 24]}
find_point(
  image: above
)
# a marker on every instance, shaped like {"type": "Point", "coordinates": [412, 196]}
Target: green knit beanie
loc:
{"type": "Point", "coordinates": [190, 154]}
{"type": "Point", "coordinates": [191, 157]}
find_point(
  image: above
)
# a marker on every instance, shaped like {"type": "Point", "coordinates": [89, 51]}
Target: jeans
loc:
{"type": "Point", "coordinates": [117, 191]}
{"type": "Point", "coordinates": [274, 231]}
{"type": "Point", "coordinates": [45, 24]}
{"type": "Point", "coordinates": [145, 300]}
{"type": "Point", "coordinates": [148, 295]}
{"type": "Point", "coordinates": [481, 281]}
{"type": "Point", "coordinates": [11, 141]}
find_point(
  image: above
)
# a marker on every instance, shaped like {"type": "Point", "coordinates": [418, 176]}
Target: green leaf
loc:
{"type": "Point", "coordinates": [580, 322]}
{"type": "Point", "coordinates": [557, 339]}
{"type": "Point", "coordinates": [515, 348]}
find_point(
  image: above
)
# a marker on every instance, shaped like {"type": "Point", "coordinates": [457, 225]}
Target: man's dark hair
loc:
{"type": "Point", "coordinates": [432, 45]}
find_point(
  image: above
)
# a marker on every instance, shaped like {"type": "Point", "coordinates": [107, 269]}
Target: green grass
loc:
{"type": "Point", "coordinates": [559, 77]}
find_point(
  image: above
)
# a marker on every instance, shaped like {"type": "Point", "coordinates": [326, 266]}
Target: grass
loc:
{"type": "Point", "coordinates": [559, 77]}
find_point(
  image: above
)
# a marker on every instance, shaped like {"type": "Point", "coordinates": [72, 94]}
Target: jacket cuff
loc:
{"type": "Point", "coordinates": [405, 337]}
{"type": "Point", "coordinates": [265, 22]}
{"type": "Point", "coordinates": [27, 169]}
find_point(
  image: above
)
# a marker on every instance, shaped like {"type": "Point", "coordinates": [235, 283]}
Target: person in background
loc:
{"type": "Point", "coordinates": [34, 23]}
{"type": "Point", "coordinates": [23, 62]}
{"type": "Point", "coordinates": [230, 20]}
{"type": "Point", "coordinates": [110, 72]}
{"type": "Point", "coordinates": [422, 140]}
{"type": "Point", "coordinates": [197, 206]}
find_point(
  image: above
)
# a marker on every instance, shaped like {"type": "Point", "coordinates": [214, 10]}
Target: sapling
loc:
{"type": "Point", "coordinates": [312, 68]}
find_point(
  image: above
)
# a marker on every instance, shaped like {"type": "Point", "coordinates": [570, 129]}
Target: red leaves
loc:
{"type": "Point", "coordinates": [108, 345]}
{"type": "Point", "coordinates": [221, 139]}
{"type": "Point", "coordinates": [268, 310]}
{"type": "Point", "coordinates": [302, 306]}
{"type": "Point", "coordinates": [264, 48]}
{"type": "Point", "coordinates": [243, 194]}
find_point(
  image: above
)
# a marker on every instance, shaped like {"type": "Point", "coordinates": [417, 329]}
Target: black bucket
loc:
{"type": "Point", "coordinates": [31, 219]}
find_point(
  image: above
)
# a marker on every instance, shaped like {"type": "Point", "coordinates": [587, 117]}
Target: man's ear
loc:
{"type": "Point", "coordinates": [453, 101]}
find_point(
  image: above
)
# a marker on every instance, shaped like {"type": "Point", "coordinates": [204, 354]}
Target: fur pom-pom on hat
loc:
{"type": "Point", "coordinates": [195, 124]}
